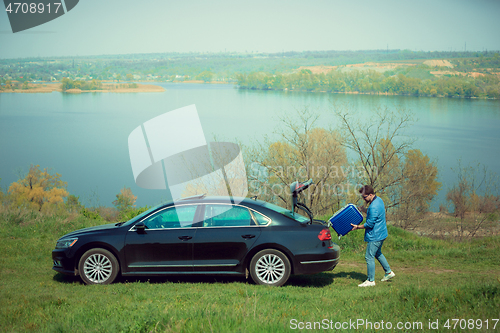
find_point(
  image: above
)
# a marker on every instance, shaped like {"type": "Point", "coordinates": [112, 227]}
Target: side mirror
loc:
{"type": "Point", "coordinates": [140, 227]}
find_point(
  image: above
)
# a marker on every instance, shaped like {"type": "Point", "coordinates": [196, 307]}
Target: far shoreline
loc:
{"type": "Point", "coordinates": [34, 88]}
{"type": "Point", "coordinates": [116, 87]}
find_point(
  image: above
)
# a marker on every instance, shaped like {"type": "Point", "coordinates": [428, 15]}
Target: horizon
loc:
{"type": "Point", "coordinates": [240, 53]}
{"type": "Point", "coordinates": [94, 28]}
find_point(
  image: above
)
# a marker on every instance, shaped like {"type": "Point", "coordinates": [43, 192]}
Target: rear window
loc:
{"type": "Point", "coordinates": [286, 212]}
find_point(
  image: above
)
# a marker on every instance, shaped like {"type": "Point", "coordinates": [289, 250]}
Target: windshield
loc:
{"type": "Point", "coordinates": [140, 216]}
{"type": "Point", "coordinates": [286, 212]}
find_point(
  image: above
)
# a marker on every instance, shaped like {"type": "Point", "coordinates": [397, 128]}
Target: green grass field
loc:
{"type": "Point", "coordinates": [436, 280]}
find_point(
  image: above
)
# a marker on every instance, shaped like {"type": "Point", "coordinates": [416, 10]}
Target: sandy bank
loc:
{"type": "Point", "coordinates": [108, 87]}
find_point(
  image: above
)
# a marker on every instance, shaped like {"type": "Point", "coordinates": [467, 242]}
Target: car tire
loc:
{"type": "Point", "coordinates": [270, 267]}
{"type": "Point", "coordinates": [98, 266]}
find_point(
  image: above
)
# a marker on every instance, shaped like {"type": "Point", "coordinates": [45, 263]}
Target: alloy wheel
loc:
{"type": "Point", "coordinates": [97, 268]}
{"type": "Point", "coordinates": [270, 268]}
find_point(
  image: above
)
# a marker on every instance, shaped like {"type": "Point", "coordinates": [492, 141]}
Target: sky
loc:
{"type": "Point", "coordinates": [97, 27]}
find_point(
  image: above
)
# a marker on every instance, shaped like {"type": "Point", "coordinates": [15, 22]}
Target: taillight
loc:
{"type": "Point", "coordinates": [324, 235]}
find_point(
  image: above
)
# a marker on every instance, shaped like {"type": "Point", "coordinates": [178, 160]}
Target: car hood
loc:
{"type": "Point", "coordinates": [90, 229]}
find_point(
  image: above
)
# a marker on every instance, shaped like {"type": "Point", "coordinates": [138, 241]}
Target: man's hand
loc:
{"type": "Point", "coordinates": [354, 226]}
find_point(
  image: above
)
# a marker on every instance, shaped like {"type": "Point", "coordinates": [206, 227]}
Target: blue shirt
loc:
{"type": "Point", "coordinates": [375, 225]}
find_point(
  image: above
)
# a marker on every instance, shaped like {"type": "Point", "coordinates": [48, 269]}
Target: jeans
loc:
{"type": "Point", "coordinates": [374, 250]}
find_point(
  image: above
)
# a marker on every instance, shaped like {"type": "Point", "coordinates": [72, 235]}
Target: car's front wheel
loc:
{"type": "Point", "coordinates": [270, 267]}
{"type": "Point", "coordinates": [98, 266]}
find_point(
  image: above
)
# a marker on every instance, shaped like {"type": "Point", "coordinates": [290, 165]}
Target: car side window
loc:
{"type": "Point", "coordinates": [261, 219]}
{"type": "Point", "coordinates": [226, 216]}
{"type": "Point", "coordinates": [173, 217]}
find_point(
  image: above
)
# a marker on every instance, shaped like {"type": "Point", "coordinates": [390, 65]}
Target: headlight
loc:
{"type": "Point", "coordinates": [66, 243]}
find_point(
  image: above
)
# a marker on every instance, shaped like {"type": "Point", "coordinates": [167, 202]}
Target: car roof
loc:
{"type": "Point", "coordinates": [217, 199]}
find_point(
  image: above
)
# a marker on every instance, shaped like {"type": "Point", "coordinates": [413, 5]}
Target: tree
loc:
{"type": "Point", "coordinates": [66, 84]}
{"type": "Point", "coordinates": [39, 189]}
{"type": "Point", "coordinates": [302, 152]}
{"type": "Point", "coordinates": [418, 188]}
{"type": "Point", "coordinates": [376, 146]}
{"type": "Point", "coordinates": [475, 199]}
{"type": "Point", "coordinates": [405, 179]}
{"type": "Point", "coordinates": [125, 200]}
{"type": "Point", "coordinates": [205, 76]}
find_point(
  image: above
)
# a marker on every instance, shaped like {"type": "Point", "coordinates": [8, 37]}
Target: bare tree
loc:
{"type": "Point", "coordinates": [475, 199]}
{"type": "Point", "coordinates": [380, 145]}
{"type": "Point", "coordinates": [303, 151]}
{"type": "Point", "coordinates": [404, 178]}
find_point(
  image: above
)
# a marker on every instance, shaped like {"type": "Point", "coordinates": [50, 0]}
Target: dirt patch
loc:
{"type": "Point", "coordinates": [476, 74]}
{"type": "Point", "coordinates": [401, 268]}
{"type": "Point", "coordinates": [438, 63]}
{"type": "Point", "coordinates": [376, 66]}
{"type": "Point", "coordinates": [318, 69]}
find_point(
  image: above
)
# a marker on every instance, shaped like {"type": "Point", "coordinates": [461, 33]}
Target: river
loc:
{"type": "Point", "coordinates": [84, 137]}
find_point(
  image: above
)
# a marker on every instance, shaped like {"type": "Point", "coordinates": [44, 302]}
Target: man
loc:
{"type": "Point", "coordinates": [375, 234]}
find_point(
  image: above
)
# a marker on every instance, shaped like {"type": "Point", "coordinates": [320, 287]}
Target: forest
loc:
{"type": "Point", "coordinates": [415, 81]}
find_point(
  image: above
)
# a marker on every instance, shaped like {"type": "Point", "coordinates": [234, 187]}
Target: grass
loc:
{"type": "Point", "coordinates": [435, 280]}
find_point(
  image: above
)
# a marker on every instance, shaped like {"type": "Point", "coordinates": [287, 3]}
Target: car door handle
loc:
{"type": "Point", "coordinates": [248, 236]}
{"type": "Point", "coordinates": [185, 238]}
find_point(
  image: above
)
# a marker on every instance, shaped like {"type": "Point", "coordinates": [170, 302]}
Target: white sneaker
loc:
{"type": "Point", "coordinates": [367, 284]}
{"type": "Point", "coordinates": [388, 276]}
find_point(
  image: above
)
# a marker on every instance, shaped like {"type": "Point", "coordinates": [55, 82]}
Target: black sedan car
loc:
{"type": "Point", "coordinates": [201, 235]}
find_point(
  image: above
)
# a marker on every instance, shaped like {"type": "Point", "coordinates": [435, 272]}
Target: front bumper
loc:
{"type": "Point", "coordinates": [62, 263]}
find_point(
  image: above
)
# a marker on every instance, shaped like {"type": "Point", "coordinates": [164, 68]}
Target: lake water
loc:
{"type": "Point", "coordinates": [84, 136]}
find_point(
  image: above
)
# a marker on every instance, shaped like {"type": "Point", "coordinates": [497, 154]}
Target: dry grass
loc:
{"type": "Point", "coordinates": [444, 225]}
{"type": "Point", "coordinates": [35, 88]}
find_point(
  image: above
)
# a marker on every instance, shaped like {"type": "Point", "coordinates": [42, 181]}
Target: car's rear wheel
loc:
{"type": "Point", "coordinates": [98, 266]}
{"type": "Point", "coordinates": [270, 267]}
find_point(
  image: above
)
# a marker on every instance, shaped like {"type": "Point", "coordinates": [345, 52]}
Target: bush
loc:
{"type": "Point", "coordinates": [131, 213]}
{"type": "Point", "coordinates": [90, 214]}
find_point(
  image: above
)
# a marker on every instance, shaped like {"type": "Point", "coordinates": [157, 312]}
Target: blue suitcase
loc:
{"type": "Point", "coordinates": [342, 219]}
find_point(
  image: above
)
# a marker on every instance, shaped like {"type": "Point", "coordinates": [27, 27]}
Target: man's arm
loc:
{"type": "Point", "coordinates": [371, 215]}
{"type": "Point", "coordinates": [357, 226]}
